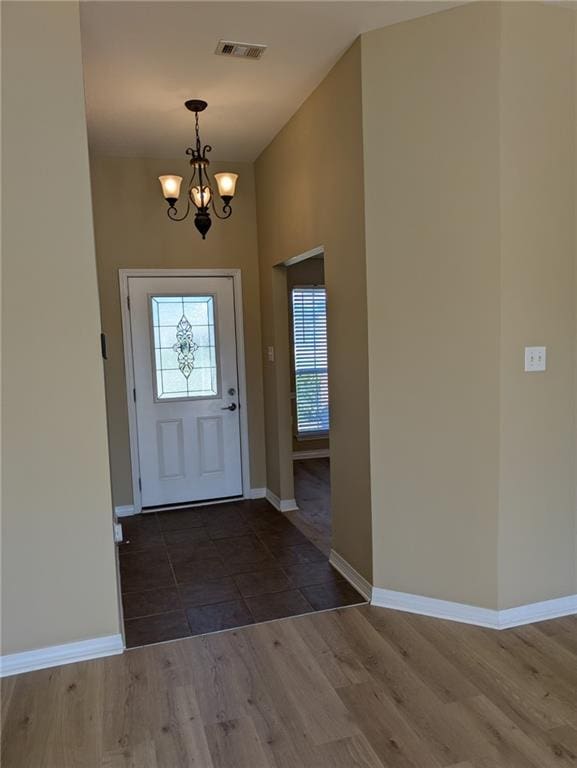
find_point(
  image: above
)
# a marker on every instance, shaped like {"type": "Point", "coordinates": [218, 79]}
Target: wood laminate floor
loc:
{"type": "Point", "coordinates": [355, 687]}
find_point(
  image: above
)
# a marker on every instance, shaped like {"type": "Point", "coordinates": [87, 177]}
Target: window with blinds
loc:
{"type": "Point", "coordinates": [309, 313]}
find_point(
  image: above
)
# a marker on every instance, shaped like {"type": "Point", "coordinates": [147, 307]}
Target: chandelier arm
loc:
{"type": "Point", "coordinates": [191, 182]}
{"type": "Point", "coordinates": [204, 168]}
{"type": "Point", "coordinates": [173, 213]}
{"type": "Point", "coordinates": [202, 184]}
{"type": "Point", "coordinates": [192, 152]}
{"type": "Point", "coordinates": [227, 209]}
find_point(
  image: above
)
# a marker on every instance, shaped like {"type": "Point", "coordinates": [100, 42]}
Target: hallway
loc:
{"type": "Point", "coordinates": [313, 496]}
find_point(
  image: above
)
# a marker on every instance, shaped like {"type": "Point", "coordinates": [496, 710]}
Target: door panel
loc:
{"type": "Point", "coordinates": [170, 448]}
{"type": "Point", "coordinates": [210, 444]}
{"type": "Point", "coordinates": [185, 365]}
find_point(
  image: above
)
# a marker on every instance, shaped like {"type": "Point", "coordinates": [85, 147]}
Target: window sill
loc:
{"type": "Point", "coordinates": [303, 437]}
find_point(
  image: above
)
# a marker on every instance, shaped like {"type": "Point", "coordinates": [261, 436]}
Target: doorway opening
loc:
{"type": "Point", "coordinates": [308, 343]}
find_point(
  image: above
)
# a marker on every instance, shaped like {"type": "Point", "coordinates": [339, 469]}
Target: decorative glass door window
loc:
{"type": "Point", "coordinates": [184, 341]}
{"type": "Point", "coordinates": [309, 316]}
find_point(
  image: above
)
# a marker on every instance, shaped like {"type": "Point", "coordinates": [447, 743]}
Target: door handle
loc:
{"type": "Point", "coordinates": [231, 407]}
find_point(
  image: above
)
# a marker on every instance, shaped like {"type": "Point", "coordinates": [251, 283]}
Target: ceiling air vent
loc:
{"type": "Point", "coordinates": [240, 50]}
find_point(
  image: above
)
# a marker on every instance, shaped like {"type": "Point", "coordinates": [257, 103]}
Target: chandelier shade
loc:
{"type": "Point", "coordinates": [170, 187]}
{"type": "Point", "coordinates": [201, 190]}
{"type": "Point", "coordinates": [226, 184]}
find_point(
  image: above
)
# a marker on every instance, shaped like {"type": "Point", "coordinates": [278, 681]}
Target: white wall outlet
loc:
{"type": "Point", "coordinates": [270, 354]}
{"type": "Point", "coordinates": [535, 358]}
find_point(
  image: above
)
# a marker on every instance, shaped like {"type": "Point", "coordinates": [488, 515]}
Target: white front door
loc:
{"type": "Point", "coordinates": [185, 370]}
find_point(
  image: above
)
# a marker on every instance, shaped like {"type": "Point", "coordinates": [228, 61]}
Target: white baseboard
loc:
{"type": "Point", "coordinates": [283, 505]}
{"type": "Point", "coordinates": [124, 511]}
{"type": "Point", "coordinates": [257, 493]}
{"type": "Point", "coordinates": [351, 575]}
{"type": "Point", "coordinates": [55, 655]}
{"type": "Point", "coordinates": [471, 614]}
{"type": "Point", "coordinates": [319, 453]}
{"type": "Point", "coordinates": [546, 609]}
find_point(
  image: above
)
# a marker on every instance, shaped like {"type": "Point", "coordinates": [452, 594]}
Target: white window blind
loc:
{"type": "Point", "coordinates": [309, 310]}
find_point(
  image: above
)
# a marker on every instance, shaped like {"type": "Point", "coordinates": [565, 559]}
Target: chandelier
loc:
{"type": "Point", "coordinates": [200, 188]}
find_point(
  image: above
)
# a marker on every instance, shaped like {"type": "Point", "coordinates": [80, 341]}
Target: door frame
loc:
{"type": "Point", "coordinates": [124, 275]}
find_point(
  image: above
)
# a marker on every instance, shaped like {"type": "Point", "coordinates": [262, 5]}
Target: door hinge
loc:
{"type": "Point", "coordinates": [134, 394]}
{"type": "Point", "coordinates": [128, 302]}
{"type": "Point", "coordinates": [139, 484]}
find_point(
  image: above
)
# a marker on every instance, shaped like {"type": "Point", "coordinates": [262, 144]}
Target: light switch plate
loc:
{"type": "Point", "coordinates": [535, 359]}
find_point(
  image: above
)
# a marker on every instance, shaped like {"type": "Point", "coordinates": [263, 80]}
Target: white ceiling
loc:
{"type": "Point", "coordinates": [142, 60]}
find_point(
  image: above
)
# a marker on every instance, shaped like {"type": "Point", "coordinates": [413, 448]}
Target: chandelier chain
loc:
{"type": "Point", "coordinates": [197, 131]}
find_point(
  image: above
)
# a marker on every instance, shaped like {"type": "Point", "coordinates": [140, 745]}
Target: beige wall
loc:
{"type": "Point", "coordinates": [302, 203]}
{"type": "Point", "coordinates": [133, 230]}
{"type": "Point", "coordinates": [59, 577]}
{"type": "Point", "coordinates": [470, 201]}
{"type": "Point", "coordinates": [538, 300]}
{"type": "Point", "coordinates": [431, 125]}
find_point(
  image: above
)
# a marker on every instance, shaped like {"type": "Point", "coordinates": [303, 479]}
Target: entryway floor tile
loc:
{"type": "Point", "coordinates": [278, 606]}
{"type": "Point", "coordinates": [156, 629]}
{"type": "Point", "coordinates": [336, 595]}
{"type": "Point", "coordinates": [213, 618]}
{"type": "Point", "coordinates": [150, 601]}
{"type": "Point", "coordinates": [262, 582]}
{"type": "Point", "coordinates": [207, 569]}
{"type": "Point", "coordinates": [203, 592]}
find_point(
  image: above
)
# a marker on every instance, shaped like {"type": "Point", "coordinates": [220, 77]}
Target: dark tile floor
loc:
{"type": "Point", "coordinates": [204, 569]}
{"type": "Point", "coordinates": [313, 496]}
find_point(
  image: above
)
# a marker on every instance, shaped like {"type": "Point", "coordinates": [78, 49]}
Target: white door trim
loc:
{"type": "Point", "coordinates": [123, 275]}
{"type": "Point", "coordinates": [318, 251]}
